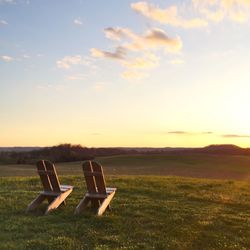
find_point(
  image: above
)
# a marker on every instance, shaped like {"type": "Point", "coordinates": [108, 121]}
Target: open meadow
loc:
{"type": "Point", "coordinates": [148, 212]}
{"type": "Point", "coordinates": [234, 167]}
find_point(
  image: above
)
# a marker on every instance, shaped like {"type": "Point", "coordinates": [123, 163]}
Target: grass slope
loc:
{"type": "Point", "coordinates": [147, 213]}
{"type": "Point", "coordinates": [196, 165]}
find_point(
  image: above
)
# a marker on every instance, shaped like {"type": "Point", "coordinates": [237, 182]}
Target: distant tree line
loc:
{"type": "Point", "coordinates": [59, 153]}
{"type": "Point", "coordinates": [69, 152]}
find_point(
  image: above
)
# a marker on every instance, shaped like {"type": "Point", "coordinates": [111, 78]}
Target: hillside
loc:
{"type": "Point", "coordinates": [193, 165]}
{"type": "Point", "coordinates": [70, 153]}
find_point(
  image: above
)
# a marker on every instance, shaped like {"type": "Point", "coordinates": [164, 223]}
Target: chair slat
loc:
{"type": "Point", "coordinates": [90, 181]}
{"type": "Point", "coordinates": [99, 178]}
{"type": "Point", "coordinates": [53, 176]}
{"type": "Point", "coordinates": [94, 173]}
{"type": "Point", "coordinates": [43, 176]}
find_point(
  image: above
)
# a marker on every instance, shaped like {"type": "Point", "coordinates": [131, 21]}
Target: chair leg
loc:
{"type": "Point", "coordinates": [105, 204]}
{"type": "Point", "coordinates": [82, 205]}
{"type": "Point", "coordinates": [58, 201]}
{"type": "Point", "coordinates": [50, 198]}
{"type": "Point", "coordinates": [36, 202]}
{"type": "Point", "coordinates": [95, 203]}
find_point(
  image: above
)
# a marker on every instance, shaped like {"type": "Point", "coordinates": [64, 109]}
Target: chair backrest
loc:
{"type": "Point", "coordinates": [48, 176]}
{"type": "Point", "coordinates": [94, 177]}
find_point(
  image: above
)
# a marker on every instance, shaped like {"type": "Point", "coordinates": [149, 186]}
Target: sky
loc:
{"type": "Point", "coordinates": [124, 73]}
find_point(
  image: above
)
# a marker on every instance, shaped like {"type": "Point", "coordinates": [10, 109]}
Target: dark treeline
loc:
{"type": "Point", "coordinates": [60, 153]}
{"type": "Point", "coordinates": [69, 152]}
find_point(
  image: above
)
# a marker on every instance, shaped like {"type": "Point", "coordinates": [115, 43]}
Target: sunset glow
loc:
{"type": "Point", "coordinates": [125, 73]}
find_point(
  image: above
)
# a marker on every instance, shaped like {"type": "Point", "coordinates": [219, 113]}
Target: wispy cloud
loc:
{"type": "Point", "coordinates": [68, 61]}
{"type": "Point", "coordinates": [179, 132]}
{"type": "Point", "coordinates": [207, 133]}
{"type": "Point", "coordinates": [118, 54]}
{"type": "Point", "coordinates": [217, 10]}
{"type": "Point", "coordinates": [15, 2]}
{"type": "Point", "coordinates": [78, 21]}
{"type": "Point", "coordinates": [147, 61]}
{"type": "Point", "coordinates": [3, 22]}
{"type": "Point", "coordinates": [152, 39]}
{"type": "Point", "coordinates": [235, 136]}
{"type": "Point", "coordinates": [7, 1]}
{"type": "Point", "coordinates": [7, 58]}
{"type": "Point", "coordinates": [137, 51]}
{"type": "Point", "coordinates": [168, 15]}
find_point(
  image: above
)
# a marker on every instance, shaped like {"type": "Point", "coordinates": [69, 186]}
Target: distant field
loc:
{"type": "Point", "coordinates": [147, 213]}
{"type": "Point", "coordinates": [196, 165]}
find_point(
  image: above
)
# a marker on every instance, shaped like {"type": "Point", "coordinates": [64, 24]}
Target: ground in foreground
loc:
{"type": "Point", "coordinates": [147, 213]}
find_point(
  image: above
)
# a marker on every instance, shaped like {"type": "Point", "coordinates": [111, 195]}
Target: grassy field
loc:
{"type": "Point", "coordinates": [148, 212]}
{"type": "Point", "coordinates": [197, 165]}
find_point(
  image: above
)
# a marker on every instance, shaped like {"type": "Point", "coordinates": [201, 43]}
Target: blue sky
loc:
{"type": "Point", "coordinates": [124, 73]}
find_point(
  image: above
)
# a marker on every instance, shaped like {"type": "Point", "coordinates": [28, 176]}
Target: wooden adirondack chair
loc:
{"type": "Point", "coordinates": [97, 193]}
{"type": "Point", "coordinates": [53, 191]}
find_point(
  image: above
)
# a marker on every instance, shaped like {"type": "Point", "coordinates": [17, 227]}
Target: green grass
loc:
{"type": "Point", "coordinates": [148, 212]}
{"type": "Point", "coordinates": [196, 165]}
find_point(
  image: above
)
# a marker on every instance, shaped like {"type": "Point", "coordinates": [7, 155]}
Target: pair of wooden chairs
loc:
{"type": "Point", "coordinates": [97, 193]}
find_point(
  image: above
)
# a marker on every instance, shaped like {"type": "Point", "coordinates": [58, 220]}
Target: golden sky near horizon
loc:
{"type": "Point", "coordinates": [125, 73]}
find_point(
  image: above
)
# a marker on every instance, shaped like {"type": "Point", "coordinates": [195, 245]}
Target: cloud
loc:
{"type": "Point", "coordinates": [207, 133]}
{"type": "Point", "coordinates": [3, 22]}
{"type": "Point", "coordinates": [7, 1]}
{"type": "Point", "coordinates": [152, 39]}
{"type": "Point", "coordinates": [77, 21]}
{"type": "Point", "coordinates": [119, 33]}
{"type": "Point", "coordinates": [7, 58]}
{"type": "Point", "coordinates": [148, 61]}
{"type": "Point", "coordinates": [136, 51]}
{"type": "Point", "coordinates": [218, 10]}
{"type": "Point", "coordinates": [15, 2]}
{"type": "Point", "coordinates": [118, 54]}
{"type": "Point", "coordinates": [179, 132]}
{"type": "Point", "coordinates": [68, 61]}
{"type": "Point", "coordinates": [156, 39]}
{"type": "Point", "coordinates": [169, 15]}
{"type": "Point", "coordinates": [235, 136]}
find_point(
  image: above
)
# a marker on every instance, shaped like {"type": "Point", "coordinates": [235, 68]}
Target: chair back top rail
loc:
{"type": "Point", "coordinates": [48, 176]}
{"type": "Point", "coordinates": [94, 177]}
